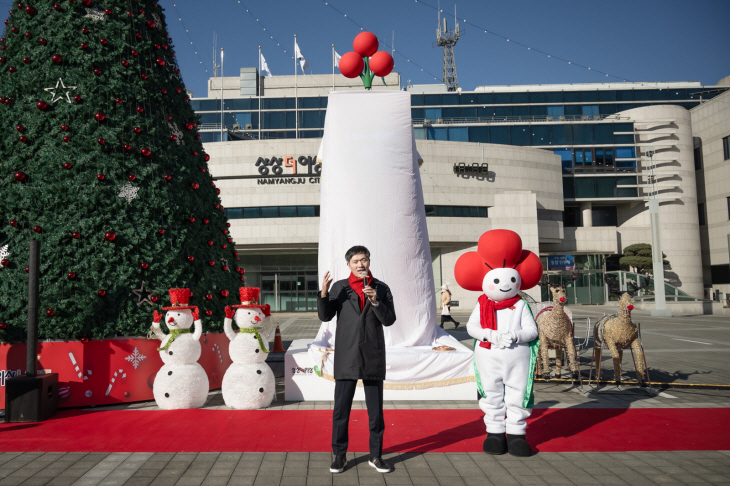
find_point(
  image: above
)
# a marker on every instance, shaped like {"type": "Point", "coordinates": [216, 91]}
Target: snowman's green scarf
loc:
{"type": "Point", "coordinates": [174, 333]}
{"type": "Point", "coordinates": [253, 330]}
{"type": "Point", "coordinates": [528, 400]}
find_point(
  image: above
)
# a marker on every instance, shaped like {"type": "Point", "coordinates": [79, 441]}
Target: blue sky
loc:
{"type": "Point", "coordinates": [636, 40]}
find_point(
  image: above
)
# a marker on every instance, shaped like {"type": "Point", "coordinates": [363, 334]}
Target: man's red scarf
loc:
{"type": "Point", "coordinates": [357, 285]}
{"type": "Point", "coordinates": [488, 314]}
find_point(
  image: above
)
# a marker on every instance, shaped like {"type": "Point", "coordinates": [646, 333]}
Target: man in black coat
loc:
{"type": "Point", "coordinates": [363, 305]}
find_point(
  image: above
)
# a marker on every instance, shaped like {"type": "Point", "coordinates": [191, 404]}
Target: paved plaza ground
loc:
{"type": "Point", "coordinates": [680, 352]}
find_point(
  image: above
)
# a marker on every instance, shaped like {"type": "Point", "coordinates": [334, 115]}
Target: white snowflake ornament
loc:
{"type": "Point", "coordinates": [96, 14]}
{"type": "Point", "coordinates": [128, 192]}
{"type": "Point", "coordinates": [175, 130]}
{"type": "Point", "coordinates": [4, 253]}
{"type": "Point", "coordinates": [135, 358]}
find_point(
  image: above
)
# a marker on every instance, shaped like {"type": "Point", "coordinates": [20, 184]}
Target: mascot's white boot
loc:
{"type": "Point", "coordinates": [503, 324]}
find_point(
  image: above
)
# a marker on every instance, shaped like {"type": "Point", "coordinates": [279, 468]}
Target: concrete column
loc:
{"type": "Point", "coordinates": [586, 209]}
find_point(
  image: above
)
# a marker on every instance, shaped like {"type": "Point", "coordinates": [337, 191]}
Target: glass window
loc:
{"type": "Point", "coordinates": [609, 157]}
{"type": "Point", "coordinates": [470, 112]}
{"type": "Point", "coordinates": [288, 211]}
{"type": "Point", "coordinates": [449, 99]}
{"type": "Point", "coordinates": [603, 134]}
{"type": "Point", "coordinates": [562, 135]}
{"type": "Point", "coordinates": [659, 94]}
{"type": "Point", "coordinates": [589, 96]}
{"type": "Point", "coordinates": [210, 105]}
{"type": "Point", "coordinates": [578, 157]}
{"type": "Point", "coordinates": [291, 103]}
{"type": "Point", "coordinates": [582, 134]}
{"type": "Point", "coordinates": [206, 118]}
{"type": "Point", "coordinates": [572, 217]}
{"type": "Point", "coordinates": [600, 160]}
{"type": "Point", "coordinates": [503, 111]}
{"type": "Point", "coordinates": [607, 95]}
{"type": "Point", "coordinates": [608, 109]}
{"type": "Point", "coordinates": [728, 207]}
{"type": "Point", "coordinates": [569, 187]}
{"type": "Point", "coordinates": [479, 134]}
{"type": "Point", "coordinates": [417, 113]}
{"type": "Point", "coordinates": [678, 94]}
{"type": "Point", "coordinates": [270, 212]}
{"type": "Point", "coordinates": [485, 98]}
{"type": "Point", "coordinates": [195, 105]}
{"type": "Point", "coordinates": [237, 104]}
{"type": "Point", "coordinates": [432, 113]}
{"type": "Point", "coordinates": [310, 133]}
{"type": "Point", "coordinates": [420, 133]}
{"type": "Point", "coordinates": [416, 100]}
{"type": "Point", "coordinates": [502, 98]}
{"type": "Point", "coordinates": [445, 211]}
{"type": "Point", "coordinates": [589, 110]}
{"type": "Point", "coordinates": [540, 134]}
{"type": "Point", "coordinates": [449, 112]}
{"type": "Point", "coordinates": [625, 152]}
{"type": "Point", "coordinates": [697, 142]}
{"type": "Point", "coordinates": [437, 134]}
{"type": "Point", "coordinates": [726, 148]}
{"type": "Point", "coordinates": [305, 211]}
{"type": "Point", "coordinates": [587, 157]}
{"type": "Point", "coordinates": [432, 99]}
{"type": "Point", "coordinates": [537, 97]}
{"type": "Point", "coordinates": [520, 98]}
{"type": "Point", "coordinates": [206, 137]}
{"type": "Point", "coordinates": [642, 95]}
{"type": "Point", "coordinates": [556, 97]}
{"type": "Point", "coordinates": [461, 212]}
{"type": "Point", "coordinates": [626, 191]}
{"type": "Point", "coordinates": [566, 158]}
{"type": "Point", "coordinates": [571, 96]}
{"type": "Point", "coordinates": [572, 110]}
{"type": "Point", "coordinates": [605, 187]}
{"type": "Point", "coordinates": [499, 135]}
{"type": "Point", "coordinates": [555, 111]}
{"type": "Point", "coordinates": [310, 119]}
{"type": "Point", "coordinates": [234, 213]}
{"type": "Point", "coordinates": [274, 119]}
{"type": "Point", "coordinates": [520, 135]}
{"type": "Point", "coordinates": [520, 111]}
{"type": "Point", "coordinates": [624, 106]}
{"type": "Point", "coordinates": [625, 95]}
{"type": "Point", "coordinates": [430, 210]}
{"type": "Point", "coordinates": [585, 187]}
{"type": "Point", "coordinates": [605, 216]}
{"type": "Point", "coordinates": [467, 98]}
{"type": "Point", "coordinates": [274, 103]}
{"type": "Point", "coordinates": [251, 213]}
{"type": "Point", "coordinates": [309, 102]}
{"type": "Point", "coordinates": [458, 134]}
{"type": "Point", "coordinates": [485, 111]}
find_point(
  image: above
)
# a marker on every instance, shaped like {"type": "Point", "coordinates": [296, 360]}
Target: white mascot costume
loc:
{"type": "Point", "coordinates": [181, 382]}
{"type": "Point", "coordinates": [249, 382]}
{"type": "Point", "coordinates": [506, 332]}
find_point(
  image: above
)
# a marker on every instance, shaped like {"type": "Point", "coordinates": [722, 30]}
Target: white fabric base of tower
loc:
{"type": "Point", "coordinates": [371, 195]}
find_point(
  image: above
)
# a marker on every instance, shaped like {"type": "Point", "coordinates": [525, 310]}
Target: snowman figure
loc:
{"type": "Point", "coordinates": [503, 324]}
{"type": "Point", "coordinates": [249, 382]}
{"type": "Point", "coordinates": [181, 382]}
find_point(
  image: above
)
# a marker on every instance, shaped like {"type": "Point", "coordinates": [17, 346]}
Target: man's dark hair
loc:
{"type": "Point", "coordinates": [356, 250]}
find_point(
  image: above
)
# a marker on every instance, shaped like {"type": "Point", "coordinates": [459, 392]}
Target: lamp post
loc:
{"type": "Point", "coordinates": [660, 301]}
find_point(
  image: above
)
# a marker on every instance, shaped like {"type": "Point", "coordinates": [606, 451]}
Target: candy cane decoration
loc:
{"type": "Point", "coordinates": [218, 348]}
{"type": "Point", "coordinates": [114, 378]}
{"type": "Point", "coordinates": [76, 366]}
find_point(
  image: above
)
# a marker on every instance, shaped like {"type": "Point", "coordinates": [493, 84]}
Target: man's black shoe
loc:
{"type": "Point", "coordinates": [380, 465]}
{"type": "Point", "coordinates": [338, 465]}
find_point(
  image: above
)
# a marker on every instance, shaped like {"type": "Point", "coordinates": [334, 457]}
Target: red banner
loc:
{"type": "Point", "coordinates": [108, 371]}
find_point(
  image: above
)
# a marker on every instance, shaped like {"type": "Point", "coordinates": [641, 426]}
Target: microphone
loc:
{"type": "Point", "coordinates": [365, 279]}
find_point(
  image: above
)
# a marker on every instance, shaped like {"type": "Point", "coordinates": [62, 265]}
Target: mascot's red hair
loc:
{"type": "Point", "coordinates": [498, 249]}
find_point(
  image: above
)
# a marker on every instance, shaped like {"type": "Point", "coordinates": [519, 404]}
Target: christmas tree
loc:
{"type": "Point", "coordinates": [100, 160]}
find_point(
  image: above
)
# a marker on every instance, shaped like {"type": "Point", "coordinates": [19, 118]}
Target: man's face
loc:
{"type": "Point", "coordinates": [359, 264]}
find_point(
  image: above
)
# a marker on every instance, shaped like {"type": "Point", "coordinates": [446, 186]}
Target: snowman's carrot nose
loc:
{"type": "Point", "coordinates": [256, 319]}
{"type": "Point", "coordinates": [171, 320]}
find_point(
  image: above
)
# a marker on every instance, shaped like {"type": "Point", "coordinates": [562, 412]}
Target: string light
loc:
{"type": "Point", "coordinates": [382, 41]}
{"type": "Point", "coordinates": [179, 17]}
{"type": "Point", "coordinates": [512, 41]}
{"type": "Point", "coordinates": [278, 44]}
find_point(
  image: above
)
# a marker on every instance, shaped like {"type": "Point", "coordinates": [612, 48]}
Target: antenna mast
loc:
{"type": "Point", "coordinates": [448, 40]}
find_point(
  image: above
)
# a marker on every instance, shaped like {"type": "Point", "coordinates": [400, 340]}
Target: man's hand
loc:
{"type": "Point", "coordinates": [371, 295]}
{"type": "Point", "coordinates": [230, 312]}
{"type": "Point", "coordinates": [156, 317]}
{"type": "Point", "coordinates": [326, 282]}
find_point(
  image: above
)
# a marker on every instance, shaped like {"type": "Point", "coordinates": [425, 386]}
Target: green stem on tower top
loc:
{"type": "Point", "coordinates": [368, 75]}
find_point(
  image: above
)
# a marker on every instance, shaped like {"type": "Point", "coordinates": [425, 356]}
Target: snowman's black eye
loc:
{"type": "Point", "coordinates": [514, 279]}
{"type": "Point", "coordinates": [496, 280]}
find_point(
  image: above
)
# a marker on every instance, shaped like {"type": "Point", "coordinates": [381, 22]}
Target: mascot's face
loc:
{"type": "Point", "coordinates": [246, 318]}
{"type": "Point", "coordinates": [181, 319]}
{"type": "Point", "coordinates": [501, 284]}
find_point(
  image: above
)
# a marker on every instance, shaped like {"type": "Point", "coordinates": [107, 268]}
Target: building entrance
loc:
{"type": "Point", "coordinates": [290, 291]}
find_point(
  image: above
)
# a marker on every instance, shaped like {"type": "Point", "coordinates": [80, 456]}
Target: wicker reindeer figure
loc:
{"type": "Point", "coordinates": [618, 332]}
{"type": "Point", "coordinates": [556, 331]}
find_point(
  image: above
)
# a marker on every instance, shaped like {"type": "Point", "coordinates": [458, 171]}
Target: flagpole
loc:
{"type": "Point", "coordinates": [258, 91]}
{"type": "Point", "coordinates": [333, 67]}
{"type": "Point", "coordinates": [222, 124]}
{"type": "Point", "coordinates": [296, 99]}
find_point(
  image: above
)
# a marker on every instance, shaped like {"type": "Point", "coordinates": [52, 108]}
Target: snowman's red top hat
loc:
{"type": "Point", "coordinates": [250, 299]}
{"type": "Point", "coordinates": [180, 299]}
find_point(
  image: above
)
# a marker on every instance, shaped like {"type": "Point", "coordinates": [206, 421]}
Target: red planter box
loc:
{"type": "Point", "coordinates": [109, 371]}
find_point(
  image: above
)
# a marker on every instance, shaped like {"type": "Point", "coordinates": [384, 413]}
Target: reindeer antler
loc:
{"type": "Point", "coordinates": [613, 285]}
{"type": "Point", "coordinates": [573, 277]}
{"type": "Point", "coordinates": [636, 288]}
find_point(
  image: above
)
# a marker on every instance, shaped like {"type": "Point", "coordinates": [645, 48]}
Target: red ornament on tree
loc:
{"type": "Point", "coordinates": [41, 105]}
{"type": "Point", "coordinates": [101, 293]}
{"type": "Point", "coordinates": [132, 177]}
{"type": "Point", "coordinates": [224, 246]}
{"type": "Point", "coordinates": [127, 147]}
{"type": "Point", "coordinates": [110, 236]}
{"type": "Point", "coordinates": [37, 229]}
{"type": "Point", "coordinates": [64, 127]}
{"type": "Point", "coordinates": [211, 263]}
{"type": "Point", "coordinates": [150, 24]}
{"type": "Point", "coordinates": [56, 6]}
{"type": "Point", "coordinates": [103, 41]}
{"type": "Point", "coordinates": [30, 10]}
{"type": "Point", "coordinates": [12, 69]}
{"type": "Point", "coordinates": [71, 275]}
{"type": "Point", "coordinates": [76, 235]}
{"type": "Point", "coordinates": [210, 242]}
{"type": "Point", "coordinates": [66, 138]}
{"type": "Point", "coordinates": [195, 153]}
{"type": "Point", "coordinates": [207, 313]}
{"type": "Point", "coordinates": [194, 185]}
{"type": "Point", "coordinates": [23, 139]}
{"type": "Point", "coordinates": [206, 157]}
{"type": "Point", "coordinates": [50, 313]}
{"type": "Point", "coordinates": [57, 59]}
{"type": "Point", "coordinates": [137, 130]}
{"type": "Point", "coordinates": [100, 117]}
{"type": "Point", "coordinates": [67, 165]}
{"type": "Point", "coordinates": [134, 53]}
{"type": "Point", "coordinates": [84, 45]}
{"type": "Point", "coordinates": [84, 340]}
{"type": "Point", "coordinates": [4, 262]}
{"type": "Point", "coordinates": [209, 296]}
{"type": "Point", "coordinates": [173, 137]}
{"type": "Point", "coordinates": [225, 268]}
{"type": "Point", "coordinates": [160, 61]}
{"type": "Point", "coordinates": [191, 219]}
{"type": "Point", "coordinates": [4, 326]}
{"type": "Point", "coordinates": [119, 101]}
{"type": "Point", "coordinates": [13, 223]}
{"type": "Point", "coordinates": [161, 231]}
{"type": "Point", "coordinates": [144, 265]}
{"type": "Point", "coordinates": [97, 71]}
{"type": "Point", "coordinates": [28, 35]}
{"type": "Point", "coordinates": [125, 63]}
{"type": "Point", "coordinates": [101, 141]}
{"type": "Point", "coordinates": [191, 258]}
{"type": "Point", "coordinates": [77, 99]}
{"type": "Point", "coordinates": [163, 91]}
{"type": "Point", "coordinates": [42, 41]}
{"type": "Point", "coordinates": [143, 76]}
{"type": "Point", "coordinates": [100, 177]}
{"type": "Point", "coordinates": [26, 60]}
{"type": "Point", "coordinates": [224, 293]}
{"type": "Point", "coordinates": [205, 221]}
{"type": "Point", "coordinates": [140, 109]}
{"type": "Point", "coordinates": [153, 298]}
{"type": "Point", "coordinates": [108, 11]}
{"type": "Point", "coordinates": [188, 126]}
{"type": "Point", "coordinates": [168, 178]}
{"type": "Point", "coordinates": [145, 151]}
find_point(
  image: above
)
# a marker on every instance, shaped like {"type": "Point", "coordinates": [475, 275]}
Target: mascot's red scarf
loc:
{"type": "Point", "coordinates": [488, 317]}
{"type": "Point", "coordinates": [357, 285]}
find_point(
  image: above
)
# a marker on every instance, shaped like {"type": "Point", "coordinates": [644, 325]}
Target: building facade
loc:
{"type": "Point", "coordinates": [570, 167]}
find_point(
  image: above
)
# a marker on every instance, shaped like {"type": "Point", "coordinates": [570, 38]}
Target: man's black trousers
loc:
{"type": "Point", "coordinates": [344, 392]}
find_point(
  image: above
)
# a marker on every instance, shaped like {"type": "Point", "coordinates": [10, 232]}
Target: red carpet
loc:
{"type": "Point", "coordinates": [550, 430]}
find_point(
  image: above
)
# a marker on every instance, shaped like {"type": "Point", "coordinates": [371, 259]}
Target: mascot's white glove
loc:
{"type": "Point", "coordinates": [493, 337]}
{"type": "Point", "coordinates": [507, 338]}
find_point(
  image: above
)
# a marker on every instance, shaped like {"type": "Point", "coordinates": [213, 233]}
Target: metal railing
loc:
{"type": "Point", "coordinates": [512, 119]}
